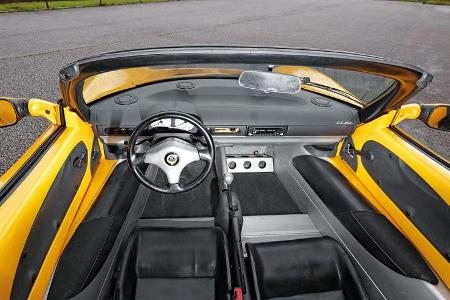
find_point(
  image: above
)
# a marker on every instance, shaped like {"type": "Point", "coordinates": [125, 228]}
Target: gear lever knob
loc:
{"type": "Point", "coordinates": [228, 178]}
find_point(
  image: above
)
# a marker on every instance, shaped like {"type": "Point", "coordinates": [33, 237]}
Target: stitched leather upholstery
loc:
{"type": "Point", "coordinates": [316, 268]}
{"type": "Point", "coordinates": [175, 263]}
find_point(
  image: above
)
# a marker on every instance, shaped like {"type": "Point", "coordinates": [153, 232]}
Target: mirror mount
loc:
{"type": "Point", "coordinates": [46, 109]}
{"type": "Point", "coordinates": [406, 112]}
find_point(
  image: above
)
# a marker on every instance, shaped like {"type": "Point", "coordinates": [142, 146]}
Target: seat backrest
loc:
{"type": "Point", "coordinates": [177, 254]}
{"type": "Point", "coordinates": [299, 267]}
{"type": "Point", "coordinates": [180, 254]}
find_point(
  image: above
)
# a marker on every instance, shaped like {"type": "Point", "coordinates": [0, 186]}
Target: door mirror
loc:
{"type": "Point", "coordinates": [436, 116]}
{"type": "Point", "coordinates": [8, 113]}
{"type": "Point", "coordinates": [11, 111]}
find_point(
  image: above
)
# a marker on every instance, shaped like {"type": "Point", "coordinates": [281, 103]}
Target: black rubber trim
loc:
{"type": "Point", "coordinates": [13, 183]}
{"type": "Point", "coordinates": [411, 193]}
{"type": "Point", "coordinates": [47, 222]}
{"type": "Point", "coordinates": [352, 161]}
{"type": "Point", "coordinates": [95, 155]}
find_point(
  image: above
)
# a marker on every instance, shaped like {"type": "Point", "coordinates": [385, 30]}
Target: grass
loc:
{"type": "Point", "coordinates": [438, 2]}
{"type": "Point", "coordinates": [40, 5]}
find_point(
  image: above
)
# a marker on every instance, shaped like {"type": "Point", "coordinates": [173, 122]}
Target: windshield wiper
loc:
{"type": "Point", "coordinates": [308, 82]}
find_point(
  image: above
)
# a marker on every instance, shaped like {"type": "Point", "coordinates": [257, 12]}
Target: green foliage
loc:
{"type": "Point", "coordinates": [39, 5]}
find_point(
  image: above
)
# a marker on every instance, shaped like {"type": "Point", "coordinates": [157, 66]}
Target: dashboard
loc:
{"type": "Point", "coordinates": [225, 108]}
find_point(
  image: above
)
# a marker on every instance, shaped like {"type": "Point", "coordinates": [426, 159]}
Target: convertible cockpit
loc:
{"type": "Point", "coordinates": [239, 173]}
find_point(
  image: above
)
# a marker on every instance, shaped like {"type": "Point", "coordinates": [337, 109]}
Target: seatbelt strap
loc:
{"type": "Point", "coordinates": [238, 294]}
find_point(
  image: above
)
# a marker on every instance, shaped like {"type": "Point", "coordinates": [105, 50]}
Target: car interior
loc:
{"type": "Point", "coordinates": [225, 192]}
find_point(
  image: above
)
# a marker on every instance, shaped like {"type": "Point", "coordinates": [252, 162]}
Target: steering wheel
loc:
{"type": "Point", "coordinates": [172, 153]}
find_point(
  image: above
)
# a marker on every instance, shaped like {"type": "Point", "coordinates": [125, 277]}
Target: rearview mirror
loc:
{"type": "Point", "coordinates": [11, 111]}
{"type": "Point", "coordinates": [269, 82]}
{"type": "Point", "coordinates": [436, 116]}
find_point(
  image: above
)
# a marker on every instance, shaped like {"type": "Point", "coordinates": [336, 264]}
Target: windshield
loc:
{"type": "Point", "coordinates": [356, 88]}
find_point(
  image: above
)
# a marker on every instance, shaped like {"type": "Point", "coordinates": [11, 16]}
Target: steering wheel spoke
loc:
{"type": "Point", "coordinates": [205, 155]}
{"type": "Point", "coordinates": [138, 158]}
{"type": "Point", "coordinates": [175, 188]}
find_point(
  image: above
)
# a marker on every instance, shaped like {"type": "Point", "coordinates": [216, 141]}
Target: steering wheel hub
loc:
{"type": "Point", "coordinates": [172, 158]}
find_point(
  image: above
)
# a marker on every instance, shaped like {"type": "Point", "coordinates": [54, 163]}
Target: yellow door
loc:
{"type": "Point", "coordinates": [405, 183]}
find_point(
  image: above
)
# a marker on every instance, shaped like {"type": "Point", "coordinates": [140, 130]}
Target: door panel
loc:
{"type": "Point", "coordinates": [412, 194]}
{"type": "Point", "coordinates": [29, 219]}
{"type": "Point", "coordinates": [391, 194]}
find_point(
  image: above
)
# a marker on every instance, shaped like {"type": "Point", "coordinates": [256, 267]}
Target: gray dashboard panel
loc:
{"type": "Point", "coordinates": [222, 102]}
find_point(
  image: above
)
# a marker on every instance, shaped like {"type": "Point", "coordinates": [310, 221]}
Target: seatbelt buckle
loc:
{"type": "Point", "coordinates": [238, 293]}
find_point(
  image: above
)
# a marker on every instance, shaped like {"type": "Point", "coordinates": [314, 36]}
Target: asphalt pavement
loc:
{"type": "Point", "coordinates": [35, 45]}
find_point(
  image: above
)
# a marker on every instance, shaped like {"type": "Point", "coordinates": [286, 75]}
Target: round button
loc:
{"type": "Point", "coordinates": [262, 164]}
{"type": "Point", "coordinates": [232, 165]}
{"type": "Point", "coordinates": [247, 164]}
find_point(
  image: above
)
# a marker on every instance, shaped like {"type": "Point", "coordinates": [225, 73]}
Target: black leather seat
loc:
{"type": "Point", "coordinates": [175, 263]}
{"type": "Point", "coordinates": [316, 268]}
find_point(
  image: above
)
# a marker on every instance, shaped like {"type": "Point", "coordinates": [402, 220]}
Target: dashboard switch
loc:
{"type": "Point", "coordinates": [232, 165]}
{"type": "Point", "coordinates": [247, 164]}
{"type": "Point", "coordinates": [262, 164]}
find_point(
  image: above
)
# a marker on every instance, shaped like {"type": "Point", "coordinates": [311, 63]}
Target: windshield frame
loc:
{"type": "Point", "coordinates": [410, 79]}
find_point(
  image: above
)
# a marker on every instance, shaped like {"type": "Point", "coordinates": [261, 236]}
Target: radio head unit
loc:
{"type": "Point", "coordinates": [267, 130]}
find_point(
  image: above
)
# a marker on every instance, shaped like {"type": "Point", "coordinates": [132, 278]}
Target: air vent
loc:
{"type": "Point", "coordinates": [321, 102]}
{"type": "Point", "coordinates": [185, 85]}
{"type": "Point", "coordinates": [125, 99]}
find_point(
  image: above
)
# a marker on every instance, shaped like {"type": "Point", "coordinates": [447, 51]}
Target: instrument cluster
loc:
{"type": "Point", "coordinates": [173, 123]}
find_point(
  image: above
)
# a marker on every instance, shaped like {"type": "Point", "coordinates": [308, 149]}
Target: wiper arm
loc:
{"type": "Point", "coordinates": [306, 81]}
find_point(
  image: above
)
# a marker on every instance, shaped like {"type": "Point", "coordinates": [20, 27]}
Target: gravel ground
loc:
{"type": "Point", "coordinates": [35, 45]}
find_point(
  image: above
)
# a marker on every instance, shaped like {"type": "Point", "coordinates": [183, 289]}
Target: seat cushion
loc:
{"type": "Point", "coordinates": [303, 268]}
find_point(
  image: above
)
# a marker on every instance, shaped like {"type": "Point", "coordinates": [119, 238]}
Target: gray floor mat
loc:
{"type": "Point", "coordinates": [198, 202]}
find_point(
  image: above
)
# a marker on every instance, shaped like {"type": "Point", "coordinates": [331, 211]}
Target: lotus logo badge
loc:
{"type": "Point", "coordinates": [172, 159]}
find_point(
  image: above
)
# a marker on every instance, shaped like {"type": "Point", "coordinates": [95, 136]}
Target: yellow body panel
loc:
{"type": "Point", "coordinates": [436, 175]}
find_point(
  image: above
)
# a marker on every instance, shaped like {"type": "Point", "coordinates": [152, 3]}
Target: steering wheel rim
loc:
{"type": "Point", "coordinates": [208, 156]}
